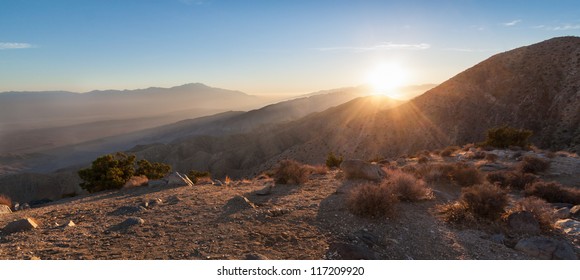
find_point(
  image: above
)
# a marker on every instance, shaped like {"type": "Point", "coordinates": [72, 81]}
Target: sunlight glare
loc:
{"type": "Point", "coordinates": [386, 79]}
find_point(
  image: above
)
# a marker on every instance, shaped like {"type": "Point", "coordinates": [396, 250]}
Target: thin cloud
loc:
{"type": "Point", "coordinates": [386, 46]}
{"type": "Point", "coordinates": [8, 46]}
{"type": "Point", "coordinates": [512, 23]}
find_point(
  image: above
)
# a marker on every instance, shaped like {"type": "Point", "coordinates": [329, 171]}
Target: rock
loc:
{"type": "Point", "coordinates": [20, 225]}
{"type": "Point", "coordinates": [24, 206]}
{"type": "Point", "coordinates": [16, 206]}
{"type": "Point", "coordinates": [265, 191]}
{"type": "Point", "coordinates": [5, 209]}
{"type": "Point", "coordinates": [136, 181]}
{"type": "Point", "coordinates": [358, 169]}
{"type": "Point", "coordinates": [344, 251]}
{"type": "Point", "coordinates": [560, 205]}
{"type": "Point", "coordinates": [177, 179]}
{"type": "Point", "coordinates": [569, 226]}
{"type": "Point", "coordinates": [523, 222]}
{"type": "Point", "coordinates": [575, 212]}
{"type": "Point", "coordinates": [155, 202]}
{"type": "Point", "coordinates": [236, 204]}
{"type": "Point", "coordinates": [546, 248]}
{"type": "Point", "coordinates": [562, 213]}
{"type": "Point", "coordinates": [128, 223]}
{"type": "Point", "coordinates": [69, 224]}
{"type": "Point", "coordinates": [256, 256]}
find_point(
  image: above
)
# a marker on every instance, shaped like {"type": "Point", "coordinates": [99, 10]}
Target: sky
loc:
{"type": "Point", "coordinates": [262, 47]}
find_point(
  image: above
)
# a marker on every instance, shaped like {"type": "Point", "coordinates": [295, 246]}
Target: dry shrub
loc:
{"type": "Point", "coordinates": [5, 200]}
{"type": "Point", "coordinates": [554, 192]}
{"type": "Point", "coordinates": [514, 180]}
{"type": "Point", "coordinates": [447, 152]}
{"type": "Point", "coordinates": [541, 210]}
{"type": "Point", "coordinates": [491, 157]}
{"type": "Point", "coordinates": [465, 175]}
{"type": "Point", "coordinates": [318, 169]}
{"type": "Point", "coordinates": [368, 200]}
{"type": "Point", "coordinates": [422, 160]}
{"type": "Point", "coordinates": [532, 164]}
{"type": "Point", "coordinates": [467, 147]}
{"type": "Point", "coordinates": [407, 187]}
{"type": "Point", "coordinates": [456, 213]}
{"type": "Point", "coordinates": [484, 201]}
{"type": "Point", "coordinates": [291, 172]}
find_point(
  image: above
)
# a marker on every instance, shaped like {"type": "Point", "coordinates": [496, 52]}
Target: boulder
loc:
{"type": "Point", "coordinates": [358, 169]}
{"type": "Point", "coordinates": [20, 225]}
{"type": "Point", "coordinates": [177, 179]}
{"type": "Point", "coordinates": [546, 248]}
{"type": "Point", "coordinates": [523, 222]}
{"type": "Point", "coordinates": [575, 212]}
{"type": "Point", "coordinates": [569, 226]}
{"type": "Point", "coordinates": [136, 181]}
{"type": "Point", "coordinates": [5, 209]}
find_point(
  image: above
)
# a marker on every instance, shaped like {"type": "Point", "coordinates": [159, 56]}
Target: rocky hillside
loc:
{"type": "Point", "coordinates": [258, 219]}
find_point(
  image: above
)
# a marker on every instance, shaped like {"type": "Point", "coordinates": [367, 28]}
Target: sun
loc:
{"type": "Point", "coordinates": [387, 79]}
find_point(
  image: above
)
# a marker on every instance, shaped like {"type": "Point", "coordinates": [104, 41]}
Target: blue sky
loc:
{"type": "Point", "coordinates": [260, 47]}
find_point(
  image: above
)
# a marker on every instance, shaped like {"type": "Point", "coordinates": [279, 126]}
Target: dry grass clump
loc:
{"type": "Point", "coordinates": [485, 201]}
{"type": "Point", "coordinates": [5, 200]}
{"type": "Point", "coordinates": [465, 175]}
{"type": "Point", "coordinates": [511, 179]}
{"type": "Point", "coordinates": [291, 172]}
{"type": "Point", "coordinates": [541, 210]}
{"type": "Point", "coordinates": [554, 192]}
{"type": "Point", "coordinates": [456, 213]}
{"type": "Point", "coordinates": [532, 164]}
{"type": "Point", "coordinates": [447, 152]}
{"type": "Point", "coordinates": [318, 169]}
{"type": "Point", "coordinates": [458, 173]}
{"type": "Point", "coordinates": [407, 187]}
{"type": "Point", "coordinates": [422, 160]}
{"type": "Point", "coordinates": [372, 201]}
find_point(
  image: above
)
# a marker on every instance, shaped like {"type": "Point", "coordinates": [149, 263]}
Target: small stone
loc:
{"type": "Point", "coordinates": [562, 213]}
{"type": "Point", "coordinates": [70, 224]}
{"type": "Point", "coordinates": [5, 209]}
{"type": "Point", "coordinates": [20, 225]}
{"type": "Point", "coordinates": [24, 206]}
{"type": "Point", "coordinates": [523, 222]}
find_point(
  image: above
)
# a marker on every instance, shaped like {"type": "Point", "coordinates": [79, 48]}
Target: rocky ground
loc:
{"type": "Point", "coordinates": [256, 219]}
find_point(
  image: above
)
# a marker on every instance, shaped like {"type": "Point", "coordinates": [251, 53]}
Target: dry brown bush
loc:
{"type": "Point", "coordinates": [532, 164]}
{"type": "Point", "coordinates": [407, 187]}
{"type": "Point", "coordinates": [291, 172]}
{"type": "Point", "coordinates": [511, 179]}
{"type": "Point", "coordinates": [456, 213]}
{"type": "Point", "coordinates": [554, 192]}
{"type": "Point", "coordinates": [373, 201]}
{"type": "Point", "coordinates": [465, 176]}
{"type": "Point", "coordinates": [422, 160]}
{"type": "Point", "coordinates": [318, 169]}
{"type": "Point", "coordinates": [485, 201]}
{"type": "Point", "coordinates": [447, 152]}
{"type": "Point", "coordinates": [541, 210]}
{"type": "Point", "coordinates": [5, 200]}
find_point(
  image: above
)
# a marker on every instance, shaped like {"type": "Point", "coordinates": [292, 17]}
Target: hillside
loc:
{"type": "Point", "coordinates": [258, 219]}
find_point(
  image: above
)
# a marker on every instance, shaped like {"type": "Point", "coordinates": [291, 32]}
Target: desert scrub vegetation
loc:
{"type": "Point", "coordinates": [152, 171]}
{"type": "Point", "coordinates": [333, 161]}
{"type": "Point", "coordinates": [511, 179]}
{"type": "Point", "coordinates": [484, 201]}
{"type": "Point", "coordinates": [458, 173]}
{"type": "Point", "coordinates": [506, 136]}
{"type": "Point", "coordinates": [112, 171]}
{"type": "Point", "coordinates": [318, 169]}
{"type": "Point", "coordinates": [372, 201]}
{"type": "Point", "coordinates": [195, 175]}
{"type": "Point", "coordinates": [554, 192]}
{"type": "Point", "coordinates": [532, 164]}
{"type": "Point", "coordinates": [406, 187]}
{"type": "Point", "coordinates": [291, 172]}
{"type": "Point", "coordinates": [5, 200]}
{"type": "Point", "coordinates": [540, 209]}
{"type": "Point", "coordinates": [448, 151]}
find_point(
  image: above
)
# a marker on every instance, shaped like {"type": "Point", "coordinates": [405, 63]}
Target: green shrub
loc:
{"type": "Point", "coordinates": [532, 164]}
{"type": "Point", "coordinates": [108, 172]}
{"type": "Point", "coordinates": [505, 136]}
{"type": "Point", "coordinates": [152, 171]}
{"type": "Point", "coordinates": [372, 201]}
{"type": "Point", "coordinates": [554, 192]}
{"type": "Point", "coordinates": [291, 172]}
{"type": "Point", "coordinates": [333, 161]}
{"type": "Point", "coordinates": [485, 201]}
{"type": "Point", "coordinates": [194, 175]}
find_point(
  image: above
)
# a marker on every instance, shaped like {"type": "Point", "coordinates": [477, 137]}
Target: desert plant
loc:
{"type": "Point", "coordinates": [195, 175]}
{"type": "Point", "coordinates": [318, 169]}
{"type": "Point", "coordinates": [5, 200]}
{"type": "Point", "coordinates": [110, 171]}
{"type": "Point", "coordinates": [554, 192]}
{"type": "Point", "coordinates": [406, 187]}
{"type": "Point", "coordinates": [291, 172]}
{"type": "Point", "coordinates": [152, 171]}
{"type": "Point", "coordinates": [465, 175]}
{"type": "Point", "coordinates": [447, 152]}
{"type": "Point", "coordinates": [456, 213]}
{"type": "Point", "coordinates": [485, 201]}
{"type": "Point", "coordinates": [333, 161]}
{"type": "Point", "coordinates": [532, 164]}
{"type": "Point", "coordinates": [505, 136]}
{"type": "Point", "coordinates": [511, 179]}
{"type": "Point", "coordinates": [422, 160]}
{"type": "Point", "coordinates": [370, 200]}
{"type": "Point", "coordinates": [542, 211]}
